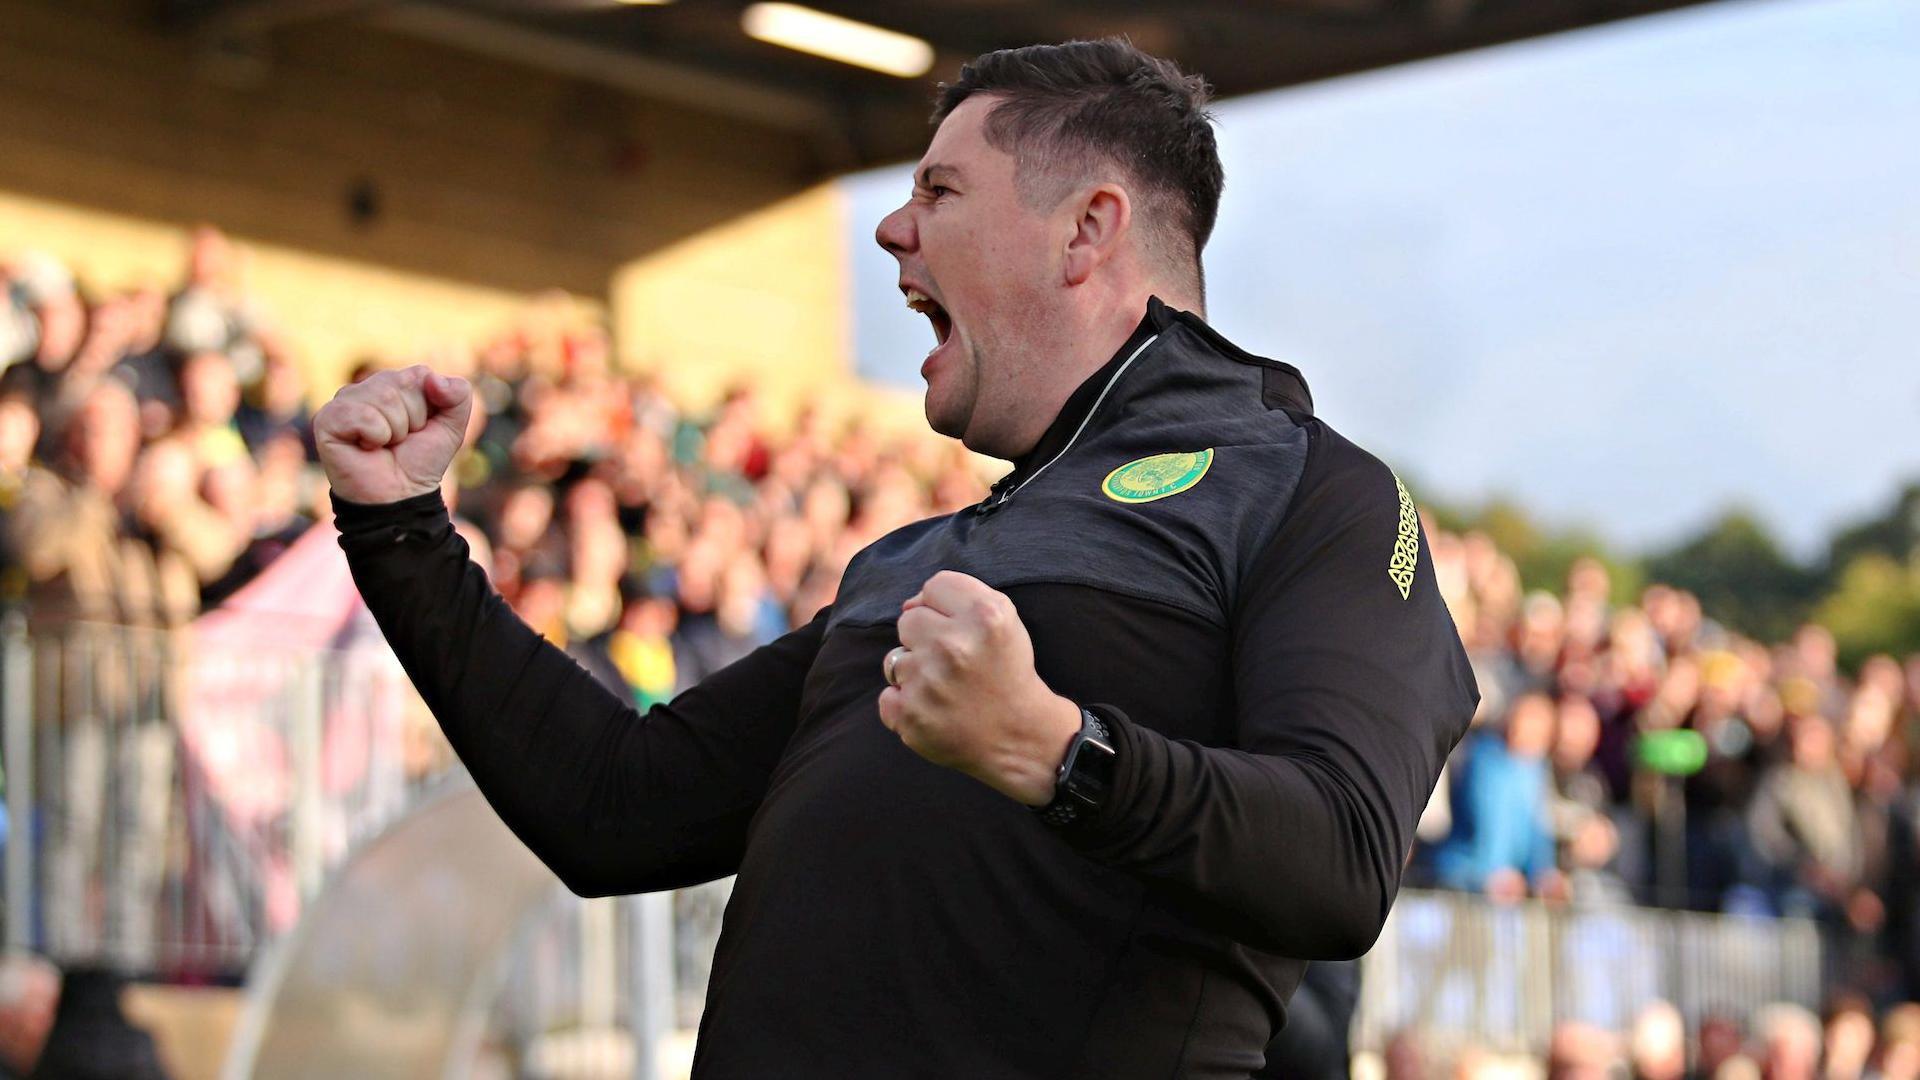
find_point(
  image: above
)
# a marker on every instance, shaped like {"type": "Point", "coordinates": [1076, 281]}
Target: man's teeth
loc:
{"type": "Point", "coordinates": [935, 314]}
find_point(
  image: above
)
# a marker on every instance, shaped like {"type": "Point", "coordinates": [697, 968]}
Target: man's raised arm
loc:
{"type": "Point", "coordinates": [612, 801]}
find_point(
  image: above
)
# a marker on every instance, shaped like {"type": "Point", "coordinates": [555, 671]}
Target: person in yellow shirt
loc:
{"type": "Point", "coordinates": [641, 643]}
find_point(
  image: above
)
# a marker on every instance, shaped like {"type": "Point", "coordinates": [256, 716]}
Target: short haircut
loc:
{"type": "Point", "coordinates": [1068, 109]}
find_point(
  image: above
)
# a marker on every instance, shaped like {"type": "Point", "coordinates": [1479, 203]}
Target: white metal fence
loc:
{"type": "Point", "coordinates": [1501, 976]}
{"type": "Point", "coordinates": [171, 807]}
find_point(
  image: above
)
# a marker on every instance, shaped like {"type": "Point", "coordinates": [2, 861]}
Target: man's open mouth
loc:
{"type": "Point", "coordinates": [937, 315]}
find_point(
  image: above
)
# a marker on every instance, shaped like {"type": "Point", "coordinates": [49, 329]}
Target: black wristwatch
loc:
{"type": "Point", "coordinates": [1081, 786]}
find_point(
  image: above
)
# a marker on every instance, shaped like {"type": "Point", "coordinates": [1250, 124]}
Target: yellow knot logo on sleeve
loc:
{"type": "Point", "coordinates": [1406, 549]}
{"type": "Point", "coordinates": [1156, 477]}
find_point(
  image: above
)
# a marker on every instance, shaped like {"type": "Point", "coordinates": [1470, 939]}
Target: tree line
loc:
{"type": "Point", "coordinates": [1865, 587]}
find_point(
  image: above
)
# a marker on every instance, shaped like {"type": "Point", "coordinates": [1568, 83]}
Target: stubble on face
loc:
{"type": "Point", "coordinates": [985, 253]}
{"type": "Point", "coordinates": [953, 391]}
{"type": "Point", "coordinates": [987, 391]}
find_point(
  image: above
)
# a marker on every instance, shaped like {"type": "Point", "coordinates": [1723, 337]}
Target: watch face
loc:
{"type": "Point", "coordinates": [1092, 772]}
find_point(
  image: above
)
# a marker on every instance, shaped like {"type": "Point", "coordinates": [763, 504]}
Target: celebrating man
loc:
{"type": "Point", "coordinates": [1071, 783]}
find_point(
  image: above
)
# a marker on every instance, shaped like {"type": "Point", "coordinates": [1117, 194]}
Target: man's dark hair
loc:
{"type": "Point", "coordinates": [1066, 109]}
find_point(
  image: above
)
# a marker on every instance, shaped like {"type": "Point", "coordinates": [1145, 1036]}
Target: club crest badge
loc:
{"type": "Point", "coordinates": [1156, 477]}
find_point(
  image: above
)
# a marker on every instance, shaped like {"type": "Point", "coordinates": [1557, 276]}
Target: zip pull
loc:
{"type": "Point", "coordinates": [996, 494]}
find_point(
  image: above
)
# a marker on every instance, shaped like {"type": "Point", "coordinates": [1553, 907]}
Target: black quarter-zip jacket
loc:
{"type": "Point", "coordinates": [1244, 595]}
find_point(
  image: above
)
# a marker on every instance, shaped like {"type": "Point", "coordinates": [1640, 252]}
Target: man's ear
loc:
{"type": "Point", "coordinates": [1105, 219]}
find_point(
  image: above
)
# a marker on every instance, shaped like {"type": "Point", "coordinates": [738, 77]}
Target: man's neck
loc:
{"type": "Point", "coordinates": [1084, 346]}
{"type": "Point", "coordinates": [1063, 421]}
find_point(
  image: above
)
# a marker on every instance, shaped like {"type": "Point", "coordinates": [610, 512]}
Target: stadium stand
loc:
{"type": "Point", "coordinates": [166, 542]}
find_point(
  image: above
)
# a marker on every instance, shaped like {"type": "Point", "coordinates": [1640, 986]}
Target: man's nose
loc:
{"type": "Point", "coordinates": [896, 232]}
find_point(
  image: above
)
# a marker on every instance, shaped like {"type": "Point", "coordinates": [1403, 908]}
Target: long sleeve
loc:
{"type": "Point", "coordinates": [1351, 687]}
{"type": "Point", "coordinates": [611, 800]}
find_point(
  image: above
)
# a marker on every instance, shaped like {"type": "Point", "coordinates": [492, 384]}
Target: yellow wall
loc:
{"type": "Point", "coordinates": [763, 301]}
{"type": "Point", "coordinates": [116, 135]}
{"type": "Point", "coordinates": [489, 172]}
{"type": "Point", "coordinates": [760, 299]}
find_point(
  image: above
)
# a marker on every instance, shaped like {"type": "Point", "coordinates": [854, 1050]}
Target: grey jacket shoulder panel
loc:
{"type": "Point", "coordinates": [1177, 481]}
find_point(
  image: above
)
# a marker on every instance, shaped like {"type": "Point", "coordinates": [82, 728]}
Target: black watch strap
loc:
{"type": "Point", "coordinates": [1086, 774]}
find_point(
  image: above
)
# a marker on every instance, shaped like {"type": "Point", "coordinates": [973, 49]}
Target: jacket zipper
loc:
{"type": "Point", "coordinates": [993, 503]}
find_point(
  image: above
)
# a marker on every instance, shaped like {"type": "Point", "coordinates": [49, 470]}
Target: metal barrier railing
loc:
{"type": "Point", "coordinates": [172, 805]}
{"type": "Point", "coordinates": [574, 994]}
{"type": "Point", "coordinates": [1462, 970]}
{"type": "Point", "coordinates": [174, 801]}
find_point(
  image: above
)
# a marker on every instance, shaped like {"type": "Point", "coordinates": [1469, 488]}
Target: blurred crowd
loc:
{"type": "Point", "coordinates": [658, 546]}
{"type": "Point", "coordinates": [1642, 752]}
{"type": "Point", "coordinates": [1779, 1042]}
{"type": "Point", "coordinates": [156, 456]}
{"type": "Point", "coordinates": [153, 448]}
{"type": "Point", "coordinates": [1639, 752]}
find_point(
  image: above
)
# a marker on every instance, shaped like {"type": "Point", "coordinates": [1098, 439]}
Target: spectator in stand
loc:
{"type": "Point", "coordinates": [522, 534]}
{"type": "Point", "coordinates": [1720, 1041]}
{"type": "Point", "coordinates": [78, 562]}
{"type": "Point", "coordinates": [1789, 1037]}
{"type": "Point", "coordinates": [1657, 1047]}
{"type": "Point", "coordinates": [1899, 1048]}
{"type": "Point", "coordinates": [788, 556]}
{"type": "Point", "coordinates": [1540, 641]}
{"type": "Point", "coordinates": [271, 505]}
{"type": "Point", "coordinates": [145, 362]}
{"type": "Point", "coordinates": [209, 398]}
{"type": "Point", "coordinates": [1405, 1058]}
{"type": "Point", "coordinates": [276, 405]}
{"type": "Point", "coordinates": [1581, 809]}
{"type": "Point", "coordinates": [1812, 655]}
{"type": "Point", "coordinates": [1719, 857]}
{"type": "Point", "coordinates": [1848, 1038]}
{"type": "Point", "coordinates": [733, 444]}
{"type": "Point", "coordinates": [1803, 825]}
{"type": "Point", "coordinates": [597, 557]}
{"type": "Point", "coordinates": [53, 315]}
{"type": "Point", "coordinates": [24, 481]}
{"type": "Point", "coordinates": [211, 312]}
{"type": "Point", "coordinates": [1627, 677]}
{"type": "Point", "coordinates": [640, 646]}
{"type": "Point", "coordinates": [718, 631]}
{"type": "Point", "coordinates": [1502, 841]}
{"type": "Point", "coordinates": [195, 540]}
{"type": "Point", "coordinates": [29, 992]}
{"type": "Point", "coordinates": [1901, 885]}
{"type": "Point", "coordinates": [1582, 1052]}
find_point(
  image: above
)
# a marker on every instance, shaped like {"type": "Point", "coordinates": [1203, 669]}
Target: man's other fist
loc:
{"type": "Point", "coordinates": [966, 694]}
{"type": "Point", "coordinates": [392, 435]}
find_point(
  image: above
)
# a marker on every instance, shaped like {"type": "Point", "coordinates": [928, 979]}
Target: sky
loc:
{"type": "Point", "coordinates": [1627, 276]}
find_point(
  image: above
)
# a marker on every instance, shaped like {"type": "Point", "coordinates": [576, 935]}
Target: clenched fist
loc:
{"type": "Point", "coordinates": [392, 435]}
{"type": "Point", "coordinates": [966, 694]}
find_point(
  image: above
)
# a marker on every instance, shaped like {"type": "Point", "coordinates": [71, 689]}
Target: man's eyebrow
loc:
{"type": "Point", "coordinates": [951, 172]}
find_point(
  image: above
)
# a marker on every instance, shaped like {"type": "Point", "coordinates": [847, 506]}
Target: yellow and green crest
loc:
{"type": "Point", "coordinates": [1156, 477]}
